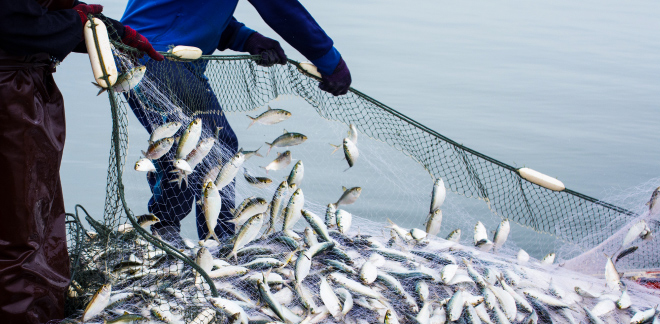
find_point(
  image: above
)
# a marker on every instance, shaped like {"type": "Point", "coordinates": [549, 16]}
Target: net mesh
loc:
{"type": "Point", "coordinates": [157, 279]}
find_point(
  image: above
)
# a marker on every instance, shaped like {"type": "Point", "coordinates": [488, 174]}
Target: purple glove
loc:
{"type": "Point", "coordinates": [338, 82]}
{"type": "Point", "coordinates": [270, 50]}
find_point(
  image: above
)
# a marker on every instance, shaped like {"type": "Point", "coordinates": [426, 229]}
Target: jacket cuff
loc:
{"type": "Point", "coordinates": [327, 63]}
{"type": "Point", "coordinates": [239, 40]}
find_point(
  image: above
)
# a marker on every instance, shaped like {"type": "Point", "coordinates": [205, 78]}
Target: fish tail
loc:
{"type": "Point", "coordinates": [144, 153]}
{"type": "Point", "coordinates": [270, 146]}
{"type": "Point", "coordinates": [257, 152]}
{"type": "Point", "coordinates": [252, 119]}
{"type": "Point", "coordinates": [336, 148]}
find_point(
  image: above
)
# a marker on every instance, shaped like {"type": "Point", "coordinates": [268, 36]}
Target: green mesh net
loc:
{"type": "Point", "coordinates": [159, 281]}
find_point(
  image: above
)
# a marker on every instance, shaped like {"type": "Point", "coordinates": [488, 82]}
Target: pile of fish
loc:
{"type": "Point", "coordinates": [325, 273]}
{"type": "Point", "coordinates": [289, 263]}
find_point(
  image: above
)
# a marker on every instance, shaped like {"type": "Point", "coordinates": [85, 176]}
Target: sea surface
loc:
{"type": "Point", "coordinates": [571, 89]}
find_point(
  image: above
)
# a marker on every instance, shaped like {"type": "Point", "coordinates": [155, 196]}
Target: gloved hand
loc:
{"type": "Point", "coordinates": [134, 39]}
{"type": "Point", "coordinates": [270, 50]}
{"type": "Point", "coordinates": [85, 9]}
{"type": "Point", "coordinates": [338, 82]}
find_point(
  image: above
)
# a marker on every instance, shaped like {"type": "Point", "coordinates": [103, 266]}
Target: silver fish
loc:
{"type": "Point", "coordinates": [433, 222]}
{"type": "Point", "coordinates": [349, 196]}
{"type": "Point", "coordinates": [249, 154]}
{"type": "Point", "coordinates": [330, 218]}
{"type": "Point", "coordinates": [282, 161]}
{"type": "Point", "coordinates": [297, 173]}
{"type": "Point", "coordinates": [98, 303]}
{"type": "Point", "coordinates": [145, 165]}
{"type": "Point", "coordinates": [247, 233]}
{"type": "Point", "coordinates": [644, 316]}
{"type": "Point", "coordinates": [501, 234]}
{"type": "Point", "coordinates": [351, 152]}
{"type": "Point", "coordinates": [454, 236]}
{"type": "Point", "coordinates": [612, 276]}
{"type": "Point", "coordinates": [276, 204]}
{"type": "Point", "coordinates": [293, 210]}
{"type": "Point", "coordinates": [189, 139]}
{"type": "Point", "coordinates": [229, 170]}
{"type": "Point", "coordinates": [368, 273]}
{"type": "Point", "coordinates": [455, 306]}
{"type": "Point", "coordinates": [329, 299]}
{"type": "Point", "coordinates": [353, 133]}
{"type": "Point", "coordinates": [317, 224]}
{"type": "Point", "coordinates": [126, 81]}
{"type": "Point", "coordinates": [344, 220]}
{"type": "Point", "coordinates": [635, 231]}
{"type": "Point", "coordinates": [439, 194]}
{"type": "Point", "coordinates": [270, 117]}
{"type": "Point", "coordinates": [286, 139]}
{"type": "Point", "coordinates": [624, 301]}
{"type": "Point", "coordinates": [165, 130]}
{"type": "Point", "coordinates": [201, 150]}
{"type": "Point", "coordinates": [211, 205]}
{"type": "Point", "coordinates": [259, 182]}
{"type": "Point", "coordinates": [158, 148]}
{"type": "Point", "coordinates": [548, 258]}
{"type": "Point", "coordinates": [252, 207]}
{"type": "Point", "coordinates": [653, 202]}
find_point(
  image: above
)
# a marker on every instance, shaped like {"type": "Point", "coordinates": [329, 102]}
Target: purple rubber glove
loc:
{"type": "Point", "coordinates": [338, 82]}
{"type": "Point", "coordinates": [270, 50]}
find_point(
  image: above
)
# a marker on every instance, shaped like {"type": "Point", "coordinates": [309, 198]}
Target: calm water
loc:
{"type": "Point", "coordinates": [568, 88]}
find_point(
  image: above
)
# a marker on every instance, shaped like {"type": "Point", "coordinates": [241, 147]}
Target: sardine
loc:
{"type": "Point", "coordinates": [282, 161]}
{"type": "Point", "coordinates": [270, 117]}
{"type": "Point", "coordinates": [159, 148]}
{"type": "Point", "coordinates": [286, 139]}
{"type": "Point", "coordinates": [349, 196]}
{"type": "Point", "coordinates": [296, 175]}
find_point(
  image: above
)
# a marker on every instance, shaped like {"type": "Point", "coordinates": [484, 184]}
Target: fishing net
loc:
{"type": "Point", "coordinates": [399, 159]}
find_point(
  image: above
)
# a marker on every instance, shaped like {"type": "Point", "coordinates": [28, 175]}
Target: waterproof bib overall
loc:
{"type": "Point", "coordinates": [34, 263]}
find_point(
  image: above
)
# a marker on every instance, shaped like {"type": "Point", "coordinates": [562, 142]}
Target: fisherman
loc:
{"type": "Point", "coordinates": [210, 25]}
{"type": "Point", "coordinates": [34, 264]}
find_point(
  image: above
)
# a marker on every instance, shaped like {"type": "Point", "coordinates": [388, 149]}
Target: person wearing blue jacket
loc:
{"type": "Point", "coordinates": [210, 25]}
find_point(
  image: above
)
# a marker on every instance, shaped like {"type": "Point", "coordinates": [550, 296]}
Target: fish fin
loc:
{"type": "Point", "coordinates": [257, 152]}
{"type": "Point", "coordinates": [336, 148]}
{"type": "Point", "coordinates": [240, 150]}
{"type": "Point", "coordinates": [100, 92]}
{"type": "Point", "coordinates": [343, 188]}
{"type": "Point", "coordinates": [144, 153]}
{"type": "Point", "coordinates": [347, 168]}
{"type": "Point", "coordinates": [285, 131]}
{"type": "Point", "coordinates": [270, 146]}
{"type": "Point", "coordinates": [269, 108]}
{"type": "Point", "coordinates": [253, 119]}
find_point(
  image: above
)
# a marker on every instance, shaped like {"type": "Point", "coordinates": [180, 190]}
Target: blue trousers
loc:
{"type": "Point", "coordinates": [185, 85]}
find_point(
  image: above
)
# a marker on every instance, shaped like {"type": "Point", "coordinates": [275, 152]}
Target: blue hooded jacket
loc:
{"type": "Point", "coordinates": [209, 24]}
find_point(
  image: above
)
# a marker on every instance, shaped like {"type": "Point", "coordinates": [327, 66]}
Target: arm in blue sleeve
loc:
{"type": "Point", "coordinates": [234, 36]}
{"type": "Point", "coordinates": [296, 26]}
{"type": "Point", "coordinates": [27, 28]}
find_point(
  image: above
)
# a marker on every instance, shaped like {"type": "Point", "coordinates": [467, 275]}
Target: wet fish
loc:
{"type": "Point", "coordinates": [351, 152]}
{"type": "Point", "coordinates": [349, 196]}
{"type": "Point", "coordinates": [293, 211]}
{"type": "Point", "coordinates": [330, 216]}
{"type": "Point", "coordinates": [200, 152]}
{"type": "Point", "coordinates": [145, 165]}
{"type": "Point", "coordinates": [211, 204]}
{"type": "Point", "coordinates": [249, 154]}
{"type": "Point", "coordinates": [147, 220]}
{"type": "Point", "coordinates": [270, 117]}
{"type": "Point", "coordinates": [189, 138]}
{"type": "Point", "coordinates": [501, 234]}
{"type": "Point", "coordinates": [548, 258]}
{"type": "Point", "coordinates": [611, 276]}
{"type": "Point", "coordinates": [247, 233]}
{"type": "Point", "coordinates": [344, 220]}
{"type": "Point", "coordinates": [439, 194]}
{"type": "Point", "coordinates": [625, 252]}
{"type": "Point", "coordinates": [98, 302]}
{"type": "Point", "coordinates": [126, 318]}
{"type": "Point", "coordinates": [276, 204]}
{"type": "Point", "coordinates": [126, 81]}
{"type": "Point", "coordinates": [158, 148]}
{"type": "Point", "coordinates": [282, 161]}
{"type": "Point", "coordinates": [522, 256]}
{"type": "Point", "coordinates": [624, 301]}
{"type": "Point", "coordinates": [286, 139]}
{"type": "Point", "coordinates": [296, 175]}
{"type": "Point", "coordinates": [454, 236]}
{"type": "Point", "coordinates": [229, 170]}
{"type": "Point", "coordinates": [253, 207]}
{"type": "Point", "coordinates": [653, 202]}
{"type": "Point", "coordinates": [330, 300]}
{"type": "Point", "coordinates": [258, 182]}
{"type": "Point", "coordinates": [637, 230]}
{"type": "Point", "coordinates": [433, 222]}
